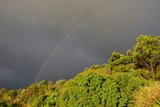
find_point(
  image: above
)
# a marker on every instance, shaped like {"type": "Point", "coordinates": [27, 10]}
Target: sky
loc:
{"type": "Point", "coordinates": [57, 39]}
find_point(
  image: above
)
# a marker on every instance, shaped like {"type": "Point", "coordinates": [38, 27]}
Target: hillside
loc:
{"type": "Point", "coordinates": [130, 80]}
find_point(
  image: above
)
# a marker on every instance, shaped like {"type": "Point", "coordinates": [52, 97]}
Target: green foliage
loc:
{"type": "Point", "coordinates": [97, 91]}
{"type": "Point", "coordinates": [52, 99]}
{"type": "Point", "coordinates": [117, 59]}
{"type": "Point", "coordinates": [147, 52]}
{"type": "Point", "coordinates": [127, 84]}
{"type": "Point", "coordinates": [123, 68]}
{"type": "Point", "coordinates": [8, 97]}
{"type": "Point", "coordinates": [157, 75]}
{"type": "Point", "coordinates": [95, 66]}
{"type": "Point", "coordinates": [6, 104]}
{"type": "Point", "coordinates": [36, 94]}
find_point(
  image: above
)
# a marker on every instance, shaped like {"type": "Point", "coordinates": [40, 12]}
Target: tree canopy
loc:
{"type": "Point", "coordinates": [146, 52]}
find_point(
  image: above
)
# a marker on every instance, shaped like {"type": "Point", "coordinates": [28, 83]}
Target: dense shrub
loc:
{"type": "Point", "coordinates": [7, 104]}
{"type": "Point", "coordinates": [97, 91]}
{"type": "Point", "coordinates": [36, 94]}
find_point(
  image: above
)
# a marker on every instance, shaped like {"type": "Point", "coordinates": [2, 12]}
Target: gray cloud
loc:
{"type": "Point", "coordinates": [67, 35]}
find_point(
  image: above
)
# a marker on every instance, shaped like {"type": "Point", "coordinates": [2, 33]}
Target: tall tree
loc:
{"type": "Point", "coordinates": [147, 52]}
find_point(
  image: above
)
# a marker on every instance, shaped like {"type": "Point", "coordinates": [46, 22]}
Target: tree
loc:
{"type": "Point", "coordinates": [146, 52]}
{"type": "Point", "coordinates": [117, 59]}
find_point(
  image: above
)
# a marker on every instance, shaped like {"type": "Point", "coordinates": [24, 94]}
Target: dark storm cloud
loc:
{"type": "Point", "coordinates": [61, 37]}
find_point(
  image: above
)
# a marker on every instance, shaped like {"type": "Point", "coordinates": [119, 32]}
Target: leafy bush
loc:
{"type": "Point", "coordinates": [35, 94]}
{"type": "Point", "coordinates": [97, 91]}
{"type": "Point", "coordinates": [6, 104]}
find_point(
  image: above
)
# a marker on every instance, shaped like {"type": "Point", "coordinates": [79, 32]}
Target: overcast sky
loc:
{"type": "Point", "coordinates": [57, 39]}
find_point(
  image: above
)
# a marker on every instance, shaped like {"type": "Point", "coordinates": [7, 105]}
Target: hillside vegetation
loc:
{"type": "Point", "coordinates": [130, 80]}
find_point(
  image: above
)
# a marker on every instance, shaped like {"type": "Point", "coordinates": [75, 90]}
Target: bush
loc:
{"type": "Point", "coordinates": [97, 91]}
{"type": "Point", "coordinates": [6, 104]}
{"type": "Point", "coordinates": [36, 94]}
